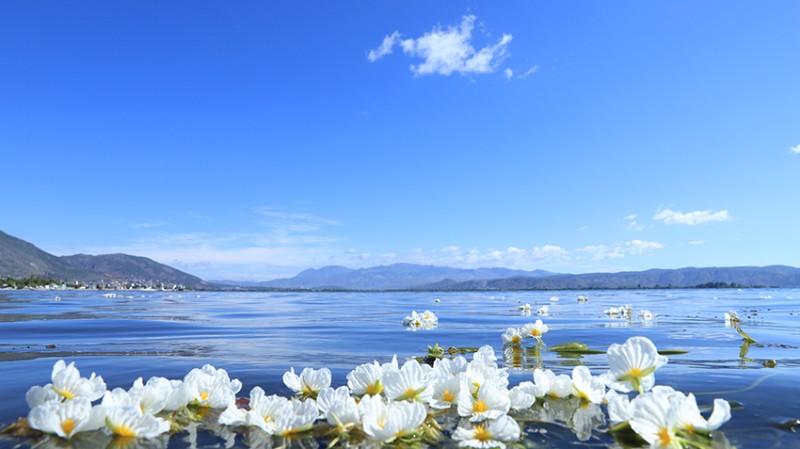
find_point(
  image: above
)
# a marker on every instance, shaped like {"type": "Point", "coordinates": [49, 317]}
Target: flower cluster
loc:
{"type": "Point", "coordinates": [394, 404]}
{"type": "Point", "coordinates": [64, 407]}
{"type": "Point", "coordinates": [424, 320]}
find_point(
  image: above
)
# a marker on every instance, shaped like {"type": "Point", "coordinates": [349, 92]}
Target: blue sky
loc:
{"type": "Point", "coordinates": [252, 140]}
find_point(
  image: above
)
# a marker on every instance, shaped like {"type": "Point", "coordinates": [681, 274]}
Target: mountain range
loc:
{"type": "Point", "coordinates": [21, 259]}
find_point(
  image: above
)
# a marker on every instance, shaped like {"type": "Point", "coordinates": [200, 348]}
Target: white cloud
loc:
{"type": "Point", "coordinates": [697, 242]}
{"type": "Point", "coordinates": [385, 47]}
{"type": "Point", "coordinates": [529, 72]}
{"type": "Point", "coordinates": [691, 218]}
{"type": "Point", "coordinates": [619, 250]}
{"type": "Point", "coordinates": [508, 73]}
{"type": "Point", "coordinates": [633, 225]}
{"type": "Point", "coordinates": [795, 149]}
{"type": "Point", "coordinates": [447, 51]}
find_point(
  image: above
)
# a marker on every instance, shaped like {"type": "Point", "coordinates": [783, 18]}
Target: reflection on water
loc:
{"type": "Point", "coordinates": [258, 336]}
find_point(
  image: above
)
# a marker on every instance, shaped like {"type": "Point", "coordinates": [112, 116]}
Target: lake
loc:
{"type": "Point", "coordinates": [257, 336]}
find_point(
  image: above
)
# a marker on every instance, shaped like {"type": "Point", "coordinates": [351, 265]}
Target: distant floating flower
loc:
{"type": "Point", "coordinates": [554, 298]}
{"type": "Point", "coordinates": [534, 330]}
{"type": "Point", "coordinates": [65, 419]}
{"type": "Point", "coordinates": [633, 363]}
{"type": "Point", "coordinates": [424, 320]}
{"type": "Point", "coordinates": [646, 315]}
{"type": "Point", "coordinates": [309, 382]}
{"type": "Point", "coordinates": [582, 298]}
{"type": "Point", "coordinates": [490, 434]}
{"type": "Point", "coordinates": [512, 336]}
{"type": "Point", "coordinates": [544, 310]}
{"type": "Point", "coordinates": [525, 306]}
{"type": "Point", "coordinates": [624, 311]}
{"type": "Point", "coordinates": [731, 319]}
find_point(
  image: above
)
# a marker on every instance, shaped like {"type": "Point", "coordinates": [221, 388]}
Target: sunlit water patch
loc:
{"type": "Point", "coordinates": [257, 337]}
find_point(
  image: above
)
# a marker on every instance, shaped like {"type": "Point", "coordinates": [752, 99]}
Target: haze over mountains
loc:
{"type": "Point", "coordinates": [21, 259]}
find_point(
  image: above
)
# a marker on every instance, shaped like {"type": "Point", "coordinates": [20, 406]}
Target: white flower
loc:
{"type": "Point", "coordinates": [129, 421]}
{"type": "Point", "coordinates": [587, 388]}
{"type": "Point", "coordinates": [68, 384]}
{"type": "Point", "coordinates": [632, 364]}
{"type": "Point", "coordinates": [646, 315]}
{"type": "Point", "coordinates": [554, 298]}
{"type": "Point", "coordinates": [366, 379]}
{"type": "Point", "coordinates": [309, 382]}
{"type": "Point", "coordinates": [299, 418]}
{"type": "Point", "coordinates": [550, 385]}
{"type": "Point", "coordinates": [620, 409]}
{"type": "Point", "coordinates": [523, 395]}
{"type": "Point", "coordinates": [386, 422]}
{"type": "Point", "coordinates": [411, 382]}
{"type": "Point", "coordinates": [264, 412]}
{"type": "Point", "coordinates": [731, 319]}
{"type": "Point", "coordinates": [491, 402]}
{"type": "Point", "coordinates": [491, 434]}
{"type": "Point", "coordinates": [534, 330]}
{"type": "Point", "coordinates": [210, 387]}
{"type": "Point", "coordinates": [690, 419]}
{"type": "Point", "coordinates": [156, 395]}
{"type": "Point", "coordinates": [446, 391]}
{"type": "Point", "coordinates": [525, 306]}
{"type": "Point", "coordinates": [512, 336]}
{"type": "Point", "coordinates": [329, 396]}
{"type": "Point", "coordinates": [450, 367]}
{"type": "Point", "coordinates": [544, 310]}
{"type": "Point", "coordinates": [65, 419]}
{"type": "Point", "coordinates": [655, 421]}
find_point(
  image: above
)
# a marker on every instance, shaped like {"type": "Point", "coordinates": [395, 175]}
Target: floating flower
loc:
{"type": "Point", "coordinates": [731, 319]}
{"type": "Point", "coordinates": [65, 419]}
{"type": "Point", "coordinates": [158, 394]}
{"type": "Point", "coordinates": [512, 336]}
{"type": "Point", "coordinates": [550, 385]}
{"type": "Point", "coordinates": [534, 330]}
{"type": "Point", "coordinates": [490, 402]}
{"type": "Point", "coordinates": [522, 396]}
{"type": "Point", "coordinates": [130, 422]}
{"type": "Point", "coordinates": [655, 421]}
{"type": "Point", "coordinates": [544, 310]}
{"type": "Point", "coordinates": [386, 422]}
{"type": "Point", "coordinates": [299, 418]}
{"type": "Point", "coordinates": [633, 363]}
{"type": "Point", "coordinates": [582, 298]}
{"type": "Point", "coordinates": [309, 382]}
{"type": "Point", "coordinates": [646, 315]}
{"type": "Point", "coordinates": [366, 379]}
{"type": "Point", "coordinates": [409, 383]}
{"type": "Point", "coordinates": [446, 391]}
{"type": "Point", "coordinates": [67, 384]}
{"type": "Point", "coordinates": [690, 419]}
{"type": "Point", "coordinates": [587, 388]}
{"type": "Point", "coordinates": [554, 298]}
{"type": "Point", "coordinates": [210, 387]}
{"type": "Point", "coordinates": [490, 434]}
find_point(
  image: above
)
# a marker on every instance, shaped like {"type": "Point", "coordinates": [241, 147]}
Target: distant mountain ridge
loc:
{"type": "Point", "coordinates": [21, 259]}
{"type": "Point", "coordinates": [397, 276]}
{"type": "Point", "coordinates": [770, 276]}
{"type": "Point", "coordinates": [392, 277]}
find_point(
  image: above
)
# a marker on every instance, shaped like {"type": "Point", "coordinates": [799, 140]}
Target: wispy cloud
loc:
{"type": "Point", "coordinates": [795, 149]}
{"type": "Point", "coordinates": [529, 72]}
{"type": "Point", "coordinates": [154, 224]}
{"type": "Point", "coordinates": [697, 242]}
{"type": "Point", "coordinates": [447, 50]}
{"type": "Point", "coordinates": [455, 256]}
{"type": "Point", "coordinates": [385, 47]}
{"type": "Point", "coordinates": [691, 218]}
{"type": "Point", "coordinates": [619, 250]}
{"type": "Point", "coordinates": [633, 225]}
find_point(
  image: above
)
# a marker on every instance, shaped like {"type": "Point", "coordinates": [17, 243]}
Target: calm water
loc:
{"type": "Point", "coordinates": [256, 337]}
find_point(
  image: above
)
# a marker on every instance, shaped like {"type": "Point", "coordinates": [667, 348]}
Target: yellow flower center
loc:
{"type": "Point", "coordinates": [479, 407]}
{"type": "Point", "coordinates": [448, 397]}
{"type": "Point", "coordinates": [664, 437]}
{"type": "Point", "coordinates": [64, 393]}
{"type": "Point", "coordinates": [481, 434]}
{"type": "Point", "coordinates": [123, 431]}
{"type": "Point", "coordinates": [267, 418]}
{"type": "Point", "coordinates": [689, 428]}
{"type": "Point", "coordinates": [635, 373]}
{"type": "Point", "coordinates": [553, 395]}
{"type": "Point", "coordinates": [68, 425]}
{"type": "Point", "coordinates": [536, 333]}
{"type": "Point", "coordinates": [374, 389]}
{"type": "Point", "coordinates": [516, 339]}
{"type": "Point", "coordinates": [410, 394]}
{"type": "Point", "coordinates": [204, 396]}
